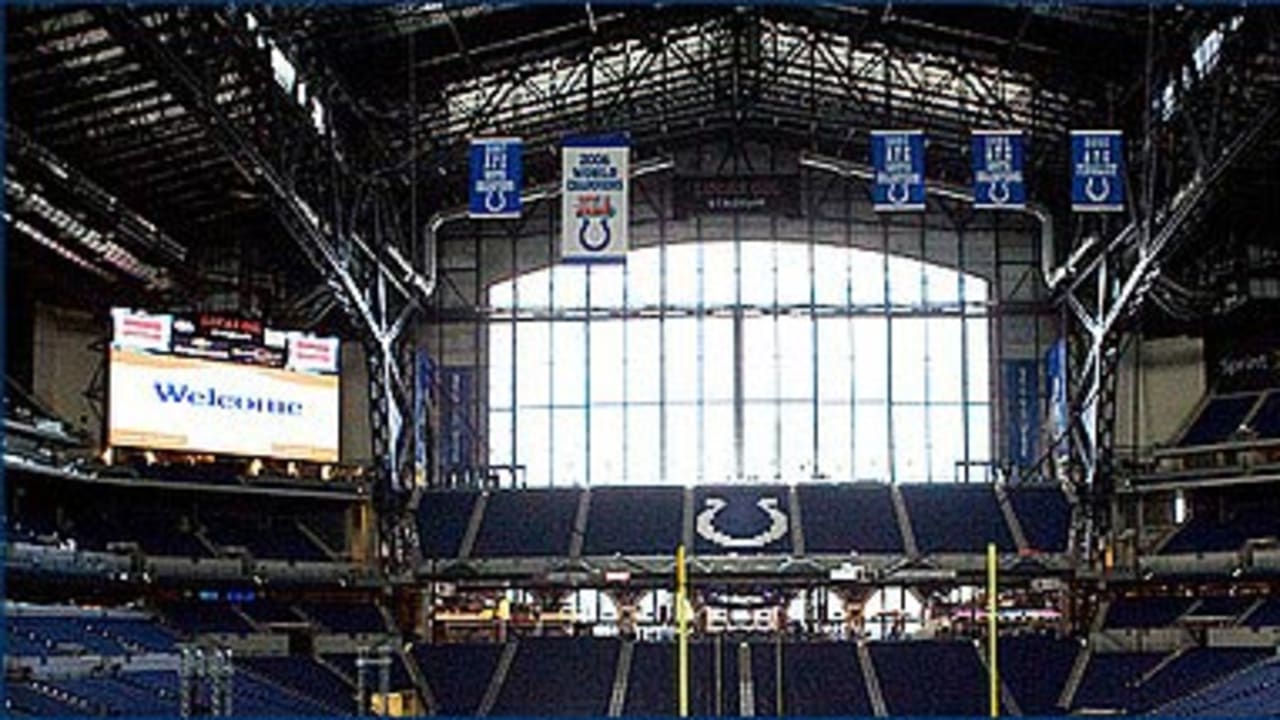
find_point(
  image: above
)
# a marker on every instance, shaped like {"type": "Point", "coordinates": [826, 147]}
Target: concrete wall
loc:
{"type": "Point", "coordinates": [356, 438]}
{"type": "Point", "coordinates": [1159, 386]}
{"type": "Point", "coordinates": [64, 363]}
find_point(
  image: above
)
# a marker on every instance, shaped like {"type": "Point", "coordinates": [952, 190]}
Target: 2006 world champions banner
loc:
{"type": "Point", "coordinates": [897, 158]}
{"type": "Point", "coordinates": [594, 212]}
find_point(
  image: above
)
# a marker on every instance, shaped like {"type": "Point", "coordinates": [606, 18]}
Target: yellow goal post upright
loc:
{"type": "Point", "coordinates": [993, 640]}
{"type": "Point", "coordinates": [682, 632]}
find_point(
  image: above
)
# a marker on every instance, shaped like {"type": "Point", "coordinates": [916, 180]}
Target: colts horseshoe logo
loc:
{"type": "Point", "coordinates": [1100, 193]}
{"type": "Point", "coordinates": [706, 525]}
{"type": "Point", "coordinates": [604, 235]}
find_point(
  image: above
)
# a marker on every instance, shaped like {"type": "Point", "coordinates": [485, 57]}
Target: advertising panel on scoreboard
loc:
{"type": "Point", "coordinates": [214, 384]}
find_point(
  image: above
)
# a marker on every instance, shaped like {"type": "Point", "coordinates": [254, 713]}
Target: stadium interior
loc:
{"type": "Point", "coordinates": [801, 447]}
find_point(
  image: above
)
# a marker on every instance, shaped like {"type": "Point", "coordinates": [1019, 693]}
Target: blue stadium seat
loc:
{"type": "Point", "coordinates": [559, 677]}
{"type": "Point", "coordinates": [1218, 419]}
{"type": "Point", "coordinates": [742, 519]}
{"type": "Point", "coordinates": [527, 523]}
{"type": "Point", "coordinates": [936, 509]}
{"type": "Point", "coordinates": [927, 677]}
{"type": "Point", "coordinates": [634, 521]}
{"type": "Point", "coordinates": [399, 675]}
{"type": "Point", "coordinates": [840, 519]}
{"type": "Point", "coordinates": [442, 522]}
{"type": "Point", "coordinates": [824, 679]}
{"type": "Point", "coordinates": [458, 675]}
{"type": "Point", "coordinates": [192, 618]}
{"type": "Point", "coordinates": [1035, 668]}
{"type": "Point", "coordinates": [1044, 513]}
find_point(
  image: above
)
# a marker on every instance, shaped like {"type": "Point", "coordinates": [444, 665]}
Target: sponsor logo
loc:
{"type": "Point", "coordinates": [174, 393]}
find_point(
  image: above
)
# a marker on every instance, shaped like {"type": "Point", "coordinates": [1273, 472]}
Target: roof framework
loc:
{"type": "Point", "coordinates": [253, 134]}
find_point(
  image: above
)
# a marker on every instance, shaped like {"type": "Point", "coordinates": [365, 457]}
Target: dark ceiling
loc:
{"type": "Point", "coordinates": [172, 112]}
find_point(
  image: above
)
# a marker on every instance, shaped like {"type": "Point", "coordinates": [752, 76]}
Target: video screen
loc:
{"type": "Point", "coordinates": [221, 385]}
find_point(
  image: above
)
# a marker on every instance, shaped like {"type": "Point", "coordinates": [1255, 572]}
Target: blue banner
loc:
{"type": "Point", "coordinates": [455, 414]}
{"type": "Point", "coordinates": [423, 376]}
{"type": "Point", "coordinates": [897, 157]}
{"type": "Point", "coordinates": [497, 174]}
{"type": "Point", "coordinates": [1097, 171]}
{"type": "Point", "coordinates": [1055, 378]}
{"type": "Point", "coordinates": [1022, 412]}
{"type": "Point", "coordinates": [997, 170]}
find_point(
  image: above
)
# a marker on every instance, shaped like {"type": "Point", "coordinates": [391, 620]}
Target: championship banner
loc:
{"type": "Point", "coordinates": [997, 170]}
{"type": "Point", "coordinates": [1022, 414]}
{"type": "Point", "coordinates": [456, 420]}
{"type": "Point", "coordinates": [897, 157]}
{"type": "Point", "coordinates": [1055, 378]}
{"type": "Point", "coordinates": [594, 212]}
{"type": "Point", "coordinates": [1097, 170]}
{"type": "Point", "coordinates": [423, 376]}
{"type": "Point", "coordinates": [497, 173]}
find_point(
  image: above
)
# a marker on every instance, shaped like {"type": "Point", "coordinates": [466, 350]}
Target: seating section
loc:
{"type": "Point", "coordinates": [1045, 515]}
{"type": "Point", "coordinates": [191, 618]}
{"type": "Point", "coordinates": [741, 519]}
{"type": "Point", "coordinates": [84, 634]}
{"type": "Point", "coordinates": [650, 685]}
{"type": "Point", "coordinates": [1204, 534]}
{"type": "Point", "coordinates": [458, 675]}
{"type": "Point", "coordinates": [1265, 423]}
{"type": "Point", "coordinates": [1251, 693]}
{"type": "Point", "coordinates": [1035, 668]}
{"type": "Point", "coordinates": [398, 674]}
{"type": "Point", "coordinates": [350, 618]}
{"type": "Point", "coordinates": [1151, 612]}
{"type": "Point", "coordinates": [527, 523]}
{"type": "Point", "coordinates": [1111, 680]}
{"type": "Point", "coordinates": [634, 521]}
{"type": "Point", "coordinates": [927, 677]}
{"type": "Point", "coordinates": [254, 695]}
{"type": "Point", "coordinates": [1218, 419]}
{"type": "Point", "coordinates": [305, 676]}
{"type": "Point", "coordinates": [269, 611]}
{"type": "Point", "coordinates": [1220, 607]}
{"type": "Point", "coordinates": [824, 679]}
{"type": "Point", "coordinates": [442, 522]}
{"type": "Point", "coordinates": [839, 519]}
{"type": "Point", "coordinates": [1267, 615]}
{"type": "Point", "coordinates": [1193, 670]}
{"type": "Point", "coordinates": [560, 677]}
{"type": "Point", "coordinates": [41, 699]}
{"type": "Point", "coordinates": [935, 511]}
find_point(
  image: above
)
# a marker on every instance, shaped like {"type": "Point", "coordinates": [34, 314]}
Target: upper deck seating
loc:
{"type": "Point", "coordinates": [956, 518]}
{"type": "Point", "coordinates": [840, 519]}
{"type": "Point", "coordinates": [1147, 612]}
{"type": "Point", "coordinates": [442, 522]}
{"type": "Point", "coordinates": [1219, 418]}
{"type": "Point", "coordinates": [634, 521]}
{"type": "Point", "coordinates": [1045, 515]}
{"type": "Point", "coordinates": [527, 523]}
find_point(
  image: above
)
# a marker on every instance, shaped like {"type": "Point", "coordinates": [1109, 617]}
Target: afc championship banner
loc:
{"type": "Point", "coordinates": [997, 170]}
{"type": "Point", "coordinates": [1097, 171]}
{"type": "Point", "coordinates": [594, 211]}
{"type": "Point", "coordinates": [897, 159]}
{"type": "Point", "coordinates": [496, 178]}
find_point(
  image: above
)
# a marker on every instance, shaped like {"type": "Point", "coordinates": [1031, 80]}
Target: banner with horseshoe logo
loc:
{"type": "Point", "coordinates": [594, 203]}
{"type": "Point", "coordinates": [1097, 171]}
{"type": "Point", "coordinates": [997, 170]}
{"type": "Point", "coordinates": [497, 173]}
{"type": "Point", "coordinates": [897, 157]}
